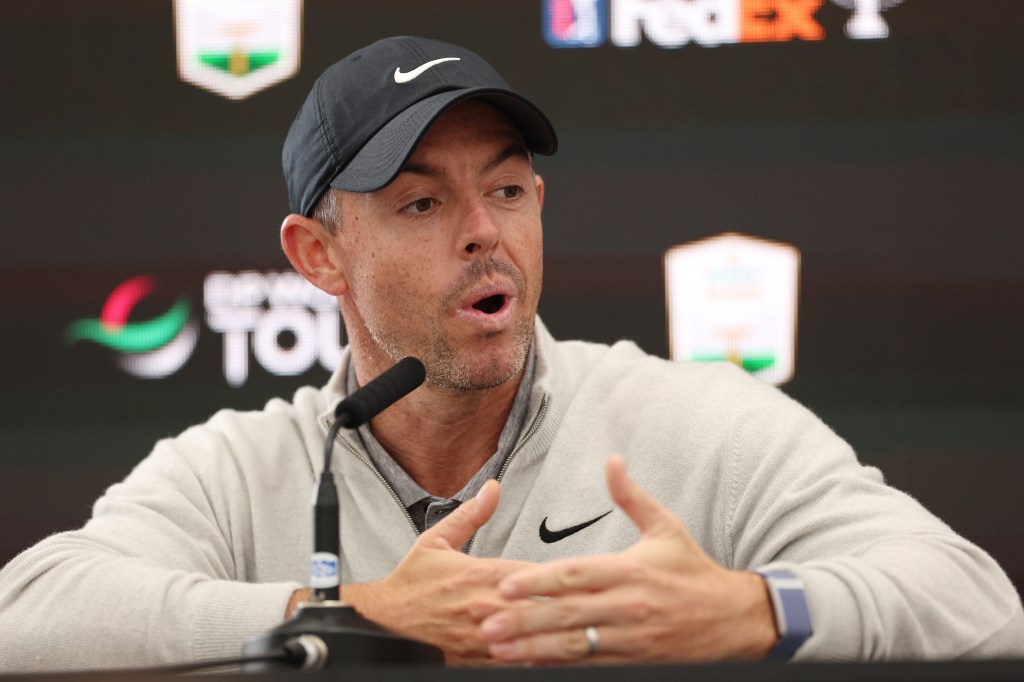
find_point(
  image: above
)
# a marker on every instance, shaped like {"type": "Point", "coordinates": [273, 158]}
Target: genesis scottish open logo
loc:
{"type": "Point", "coordinates": [149, 349]}
{"type": "Point", "coordinates": [237, 48]}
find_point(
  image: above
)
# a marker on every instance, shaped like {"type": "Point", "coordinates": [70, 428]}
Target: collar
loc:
{"type": "Point", "coordinates": [336, 388]}
{"type": "Point", "coordinates": [408, 490]}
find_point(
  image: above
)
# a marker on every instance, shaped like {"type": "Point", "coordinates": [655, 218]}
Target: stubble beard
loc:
{"type": "Point", "coordinates": [447, 367]}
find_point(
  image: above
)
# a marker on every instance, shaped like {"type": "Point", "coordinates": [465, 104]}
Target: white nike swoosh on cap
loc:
{"type": "Point", "coordinates": [406, 77]}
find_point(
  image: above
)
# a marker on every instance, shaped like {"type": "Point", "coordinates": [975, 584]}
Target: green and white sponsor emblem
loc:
{"type": "Point", "coordinates": [733, 297]}
{"type": "Point", "coordinates": [236, 48]}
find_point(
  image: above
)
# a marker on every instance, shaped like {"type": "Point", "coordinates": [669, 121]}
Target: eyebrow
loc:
{"type": "Point", "coordinates": [511, 151]}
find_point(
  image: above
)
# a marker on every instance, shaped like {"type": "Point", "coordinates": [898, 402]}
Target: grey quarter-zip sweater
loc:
{"type": "Point", "coordinates": [202, 545]}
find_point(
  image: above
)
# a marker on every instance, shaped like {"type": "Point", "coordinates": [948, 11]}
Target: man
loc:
{"type": "Point", "coordinates": [750, 531]}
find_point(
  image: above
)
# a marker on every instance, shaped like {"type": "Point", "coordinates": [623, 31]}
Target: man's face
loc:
{"type": "Point", "coordinates": [445, 262]}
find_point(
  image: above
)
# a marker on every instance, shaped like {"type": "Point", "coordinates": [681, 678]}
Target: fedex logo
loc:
{"type": "Point", "coordinates": [674, 23]}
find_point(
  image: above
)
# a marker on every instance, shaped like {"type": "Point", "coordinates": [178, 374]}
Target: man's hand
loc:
{"type": "Point", "coordinates": [662, 599]}
{"type": "Point", "coordinates": [298, 598]}
{"type": "Point", "coordinates": [438, 594]}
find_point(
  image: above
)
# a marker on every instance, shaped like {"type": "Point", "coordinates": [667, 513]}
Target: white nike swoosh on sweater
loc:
{"type": "Point", "coordinates": [411, 75]}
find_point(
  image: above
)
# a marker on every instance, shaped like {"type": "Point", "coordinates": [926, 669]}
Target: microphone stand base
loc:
{"type": "Point", "coordinates": [349, 639]}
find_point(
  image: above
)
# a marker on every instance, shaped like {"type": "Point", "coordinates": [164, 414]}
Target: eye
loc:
{"type": "Point", "coordinates": [419, 206]}
{"type": "Point", "coordinates": [509, 192]}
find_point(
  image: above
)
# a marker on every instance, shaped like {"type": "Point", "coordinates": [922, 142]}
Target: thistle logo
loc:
{"type": "Point", "coordinates": [152, 349]}
{"type": "Point", "coordinates": [734, 297]}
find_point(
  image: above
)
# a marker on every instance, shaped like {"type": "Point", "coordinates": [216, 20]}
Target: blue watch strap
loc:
{"type": "Point", "coordinates": [792, 618]}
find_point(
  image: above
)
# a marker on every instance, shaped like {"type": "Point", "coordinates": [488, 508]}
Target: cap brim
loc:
{"type": "Point", "coordinates": [382, 157]}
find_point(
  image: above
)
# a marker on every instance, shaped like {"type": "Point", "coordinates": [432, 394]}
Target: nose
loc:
{"type": "Point", "coordinates": [480, 233]}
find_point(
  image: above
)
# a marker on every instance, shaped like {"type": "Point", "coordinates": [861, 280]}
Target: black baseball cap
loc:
{"type": "Point", "coordinates": [366, 113]}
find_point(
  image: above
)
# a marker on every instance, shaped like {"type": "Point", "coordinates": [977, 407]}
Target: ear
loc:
{"type": "Point", "coordinates": [539, 181]}
{"type": "Point", "coordinates": [308, 246]}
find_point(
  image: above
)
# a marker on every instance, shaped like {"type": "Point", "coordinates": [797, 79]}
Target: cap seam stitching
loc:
{"type": "Point", "coordinates": [325, 134]}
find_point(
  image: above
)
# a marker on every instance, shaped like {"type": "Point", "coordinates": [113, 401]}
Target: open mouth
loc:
{"type": "Point", "coordinates": [491, 304]}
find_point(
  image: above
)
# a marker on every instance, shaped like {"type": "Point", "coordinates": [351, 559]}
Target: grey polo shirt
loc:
{"type": "Point", "coordinates": [424, 508]}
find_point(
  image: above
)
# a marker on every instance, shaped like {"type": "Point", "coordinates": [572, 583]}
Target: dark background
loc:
{"type": "Point", "coordinates": [894, 165]}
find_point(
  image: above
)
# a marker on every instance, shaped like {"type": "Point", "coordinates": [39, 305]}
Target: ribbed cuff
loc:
{"type": "Point", "coordinates": [838, 631]}
{"type": "Point", "coordinates": [229, 613]}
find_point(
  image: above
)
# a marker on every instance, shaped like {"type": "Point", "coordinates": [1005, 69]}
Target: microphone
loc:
{"type": "Point", "coordinates": [381, 393]}
{"type": "Point", "coordinates": [352, 412]}
{"type": "Point", "coordinates": [327, 632]}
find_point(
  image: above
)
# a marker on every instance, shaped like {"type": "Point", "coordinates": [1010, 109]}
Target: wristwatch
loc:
{"type": "Point", "coordinates": [792, 618]}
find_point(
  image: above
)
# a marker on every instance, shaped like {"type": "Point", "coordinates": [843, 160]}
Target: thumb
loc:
{"type": "Point", "coordinates": [649, 516]}
{"type": "Point", "coordinates": [458, 527]}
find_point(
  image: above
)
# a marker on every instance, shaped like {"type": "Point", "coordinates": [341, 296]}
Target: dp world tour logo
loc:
{"type": "Point", "coordinates": [150, 349]}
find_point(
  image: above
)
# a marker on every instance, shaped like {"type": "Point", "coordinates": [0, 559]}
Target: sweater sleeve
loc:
{"type": "Point", "coordinates": [884, 578]}
{"type": "Point", "coordinates": [155, 576]}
